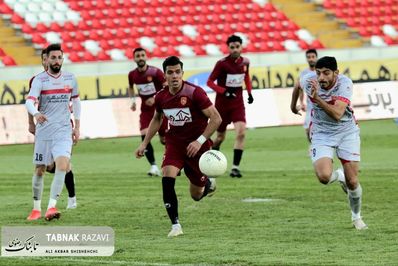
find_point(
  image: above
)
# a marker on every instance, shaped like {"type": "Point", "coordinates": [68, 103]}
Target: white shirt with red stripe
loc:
{"type": "Point", "coordinates": [53, 93]}
{"type": "Point", "coordinates": [342, 91]}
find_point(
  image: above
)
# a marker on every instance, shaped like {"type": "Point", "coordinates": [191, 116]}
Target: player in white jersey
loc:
{"type": "Point", "coordinates": [39, 172]}
{"type": "Point", "coordinates": [54, 134]}
{"type": "Point", "coordinates": [334, 128]}
{"type": "Point", "coordinates": [311, 56]}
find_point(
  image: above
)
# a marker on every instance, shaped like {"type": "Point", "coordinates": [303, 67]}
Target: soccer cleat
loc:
{"type": "Point", "coordinates": [176, 230]}
{"type": "Point", "coordinates": [72, 204]}
{"type": "Point", "coordinates": [341, 179]}
{"type": "Point", "coordinates": [213, 187]}
{"type": "Point", "coordinates": [235, 173]}
{"type": "Point", "coordinates": [359, 224]}
{"type": "Point", "coordinates": [154, 171]}
{"type": "Point", "coordinates": [52, 213]}
{"type": "Point", "coordinates": [34, 215]}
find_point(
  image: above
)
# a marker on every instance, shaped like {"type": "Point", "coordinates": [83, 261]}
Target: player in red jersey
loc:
{"type": "Point", "coordinates": [192, 120]}
{"type": "Point", "coordinates": [147, 80]}
{"type": "Point", "coordinates": [230, 73]}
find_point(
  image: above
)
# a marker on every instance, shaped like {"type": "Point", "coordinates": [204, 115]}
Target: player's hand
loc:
{"type": "Point", "coordinates": [250, 99]}
{"type": "Point", "coordinates": [193, 148]}
{"type": "Point", "coordinates": [32, 128]}
{"type": "Point", "coordinates": [303, 107]}
{"type": "Point", "coordinates": [40, 118]}
{"type": "Point", "coordinates": [230, 93]}
{"type": "Point", "coordinates": [314, 88]}
{"type": "Point", "coordinates": [140, 151]}
{"type": "Point", "coordinates": [133, 107]}
{"type": "Point", "coordinates": [295, 109]}
{"type": "Point", "coordinates": [75, 135]}
{"type": "Point", "coordinates": [150, 101]}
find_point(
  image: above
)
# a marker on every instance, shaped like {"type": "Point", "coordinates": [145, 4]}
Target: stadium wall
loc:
{"type": "Point", "coordinates": [106, 118]}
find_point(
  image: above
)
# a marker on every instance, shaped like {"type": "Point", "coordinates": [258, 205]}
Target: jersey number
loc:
{"type": "Point", "coordinates": [313, 152]}
{"type": "Point", "coordinates": [39, 157]}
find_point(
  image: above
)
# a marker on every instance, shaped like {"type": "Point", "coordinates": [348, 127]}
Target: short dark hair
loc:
{"type": "Point", "coordinates": [327, 62]}
{"type": "Point", "coordinates": [234, 38]}
{"type": "Point", "coordinates": [43, 52]}
{"type": "Point", "coordinates": [311, 51]}
{"type": "Point", "coordinates": [171, 61]}
{"type": "Point", "coordinates": [138, 49]}
{"type": "Point", "coordinates": [53, 47]}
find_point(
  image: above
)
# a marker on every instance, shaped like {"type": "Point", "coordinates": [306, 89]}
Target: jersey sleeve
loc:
{"type": "Point", "coordinates": [35, 89]}
{"type": "Point", "coordinates": [75, 88]}
{"type": "Point", "coordinates": [248, 82]}
{"type": "Point", "coordinates": [214, 76]}
{"type": "Point", "coordinates": [201, 100]}
{"type": "Point", "coordinates": [131, 80]}
{"type": "Point", "coordinates": [344, 92]}
{"type": "Point", "coordinates": [158, 106]}
{"type": "Point", "coordinates": [305, 84]}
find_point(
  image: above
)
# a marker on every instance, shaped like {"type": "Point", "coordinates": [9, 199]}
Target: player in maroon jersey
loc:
{"type": "Point", "coordinates": [230, 73]}
{"type": "Point", "coordinates": [147, 80]}
{"type": "Point", "coordinates": [192, 120]}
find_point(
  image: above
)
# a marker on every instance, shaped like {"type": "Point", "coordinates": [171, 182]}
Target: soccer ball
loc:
{"type": "Point", "coordinates": [213, 163]}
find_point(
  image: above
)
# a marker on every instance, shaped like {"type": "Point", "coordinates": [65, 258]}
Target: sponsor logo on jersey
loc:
{"type": "Point", "coordinates": [178, 116]}
{"type": "Point", "coordinates": [234, 80]}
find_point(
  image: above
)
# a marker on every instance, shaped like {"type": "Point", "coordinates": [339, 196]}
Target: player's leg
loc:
{"type": "Point", "coordinates": [220, 137]}
{"type": "Point", "coordinates": [322, 159]}
{"type": "Point", "coordinates": [41, 156]}
{"type": "Point", "coordinates": [222, 129]}
{"type": "Point", "coordinates": [70, 186]}
{"type": "Point", "coordinates": [150, 155]}
{"type": "Point", "coordinates": [349, 153]}
{"type": "Point", "coordinates": [240, 129]}
{"type": "Point", "coordinates": [170, 198]}
{"type": "Point", "coordinates": [162, 131]}
{"type": "Point", "coordinates": [61, 151]}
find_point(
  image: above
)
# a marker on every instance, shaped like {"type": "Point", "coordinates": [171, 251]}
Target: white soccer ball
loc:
{"type": "Point", "coordinates": [213, 163]}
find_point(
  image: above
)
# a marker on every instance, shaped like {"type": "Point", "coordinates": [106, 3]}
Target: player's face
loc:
{"type": "Point", "coordinates": [173, 76]}
{"type": "Point", "coordinates": [235, 49]}
{"type": "Point", "coordinates": [55, 60]}
{"type": "Point", "coordinates": [140, 58]}
{"type": "Point", "coordinates": [311, 59]}
{"type": "Point", "coordinates": [44, 61]}
{"type": "Point", "coordinates": [326, 77]}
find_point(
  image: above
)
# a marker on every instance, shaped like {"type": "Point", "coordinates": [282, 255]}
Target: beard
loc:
{"type": "Point", "coordinates": [55, 68]}
{"type": "Point", "coordinates": [141, 63]}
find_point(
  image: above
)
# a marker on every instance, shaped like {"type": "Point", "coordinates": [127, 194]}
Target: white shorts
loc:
{"type": "Point", "coordinates": [46, 151]}
{"type": "Point", "coordinates": [347, 146]}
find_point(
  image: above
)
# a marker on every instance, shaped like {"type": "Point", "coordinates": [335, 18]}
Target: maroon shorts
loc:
{"type": "Point", "coordinates": [145, 119]}
{"type": "Point", "coordinates": [230, 113]}
{"type": "Point", "coordinates": [176, 155]}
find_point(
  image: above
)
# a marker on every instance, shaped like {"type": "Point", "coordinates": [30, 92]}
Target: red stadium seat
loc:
{"type": "Point", "coordinates": [8, 61]}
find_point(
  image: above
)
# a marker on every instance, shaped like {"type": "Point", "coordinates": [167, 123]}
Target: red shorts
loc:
{"type": "Point", "coordinates": [230, 112]}
{"type": "Point", "coordinates": [145, 119]}
{"type": "Point", "coordinates": [176, 155]}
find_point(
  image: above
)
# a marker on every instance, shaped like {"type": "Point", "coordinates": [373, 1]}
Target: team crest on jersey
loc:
{"type": "Point", "coordinates": [183, 100]}
{"type": "Point", "coordinates": [149, 78]}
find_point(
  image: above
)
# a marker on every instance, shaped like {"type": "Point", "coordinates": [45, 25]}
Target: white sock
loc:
{"type": "Point", "coordinates": [235, 166]}
{"type": "Point", "coordinates": [52, 203]}
{"type": "Point", "coordinates": [355, 200]}
{"type": "Point", "coordinates": [37, 205]}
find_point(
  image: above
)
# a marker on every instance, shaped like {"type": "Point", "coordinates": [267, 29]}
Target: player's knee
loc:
{"type": "Point", "coordinates": [196, 198]}
{"type": "Point", "coordinates": [352, 182]}
{"type": "Point", "coordinates": [323, 176]}
{"type": "Point", "coordinates": [240, 135]}
{"type": "Point", "coordinates": [40, 170]}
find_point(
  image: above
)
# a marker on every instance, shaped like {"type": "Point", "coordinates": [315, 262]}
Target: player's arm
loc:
{"type": "Point", "coordinates": [214, 122]}
{"type": "Point", "coordinates": [132, 96]}
{"type": "Point", "coordinates": [213, 77]}
{"type": "Point", "coordinates": [153, 127]}
{"type": "Point", "coordinates": [248, 85]}
{"type": "Point", "coordinates": [336, 110]}
{"type": "Point", "coordinates": [76, 105]}
{"type": "Point", "coordinates": [32, 126]}
{"type": "Point", "coordinates": [33, 95]}
{"type": "Point", "coordinates": [295, 96]}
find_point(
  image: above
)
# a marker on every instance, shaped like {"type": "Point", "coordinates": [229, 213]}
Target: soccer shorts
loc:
{"type": "Point", "coordinates": [347, 146]}
{"type": "Point", "coordinates": [46, 151]}
{"type": "Point", "coordinates": [230, 114]}
{"type": "Point", "coordinates": [145, 120]}
{"type": "Point", "coordinates": [176, 155]}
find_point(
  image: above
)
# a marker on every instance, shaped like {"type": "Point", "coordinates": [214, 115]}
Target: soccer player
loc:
{"type": "Point", "coordinates": [69, 177]}
{"type": "Point", "coordinates": [54, 134]}
{"type": "Point", "coordinates": [230, 73]}
{"type": "Point", "coordinates": [311, 56]}
{"type": "Point", "coordinates": [192, 120]}
{"type": "Point", "coordinates": [334, 128]}
{"type": "Point", "coordinates": [148, 80]}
